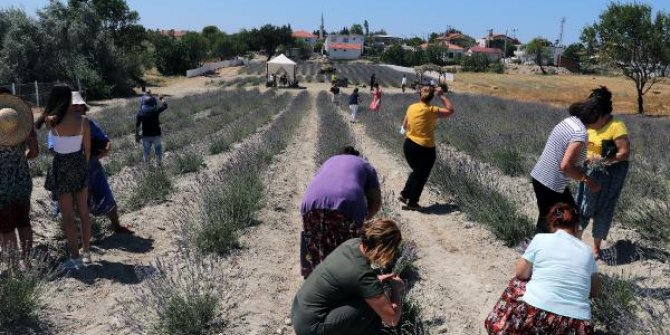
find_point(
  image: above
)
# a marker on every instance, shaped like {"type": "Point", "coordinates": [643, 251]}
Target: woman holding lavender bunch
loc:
{"type": "Point", "coordinates": [608, 150]}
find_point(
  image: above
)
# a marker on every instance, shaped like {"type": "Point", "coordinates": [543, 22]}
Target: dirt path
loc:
{"type": "Point", "coordinates": [463, 268]}
{"type": "Point", "coordinates": [270, 263]}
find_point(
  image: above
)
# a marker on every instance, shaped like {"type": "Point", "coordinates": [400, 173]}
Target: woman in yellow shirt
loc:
{"type": "Point", "coordinates": [419, 146]}
{"type": "Point", "coordinates": [608, 151]}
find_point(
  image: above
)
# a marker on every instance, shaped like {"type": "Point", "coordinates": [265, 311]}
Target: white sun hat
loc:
{"type": "Point", "coordinates": [77, 99]}
{"type": "Point", "coordinates": [16, 120]}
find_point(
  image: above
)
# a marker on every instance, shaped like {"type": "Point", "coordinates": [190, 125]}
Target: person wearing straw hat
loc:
{"type": "Point", "coordinates": [67, 177]}
{"type": "Point", "coordinates": [101, 200]}
{"type": "Point", "coordinates": [18, 143]}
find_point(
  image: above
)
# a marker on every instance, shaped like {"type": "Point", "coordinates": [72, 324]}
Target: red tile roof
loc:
{"type": "Point", "coordinates": [174, 33]}
{"type": "Point", "coordinates": [446, 44]}
{"type": "Point", "coordinates": [346, 46]}
{"type": "Point", "coordinates": [303, 34]}
{"type": "Point", "coordinates": [486, 50]}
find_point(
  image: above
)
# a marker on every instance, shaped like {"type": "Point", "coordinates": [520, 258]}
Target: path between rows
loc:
{"type": "Point", "coordinates": [270, 262]}
{"type": "Point", "coordinates": [463, 268]}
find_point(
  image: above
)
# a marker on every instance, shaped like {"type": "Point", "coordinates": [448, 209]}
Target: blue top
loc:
{"type": "Point", "coordinates": [561, 279]}
{"type": "Point", "coordinates": [353, 98]}
{"type": "Point", "coordinates": [340, 184]}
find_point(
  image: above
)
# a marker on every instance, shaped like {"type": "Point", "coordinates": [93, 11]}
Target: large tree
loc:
{"type": "Point", "coordinates": [538, 48]}
{"type": "Point", "coordinates": [633, 40]}
{"type": "Point", "coordinates": [356, 29]}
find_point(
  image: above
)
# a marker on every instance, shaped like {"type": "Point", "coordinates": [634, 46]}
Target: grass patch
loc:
{"type": "Point", "coordinates": [508, 161]}
{"type": "Point", "coordinates": [22, 291]}
{"type": "Point", "coordinates": [189, 162]}
{"type": "Point", "coordinates": [153, 185]}
{"type": "Point", "coordinates": [183, 295]}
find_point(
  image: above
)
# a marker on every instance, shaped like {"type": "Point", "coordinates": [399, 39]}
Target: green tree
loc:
{"type": "Point", "coordinates": [356, 29]}
{"type": "Point", "coordinates": [539, 49]}
{"type": "Point", "coordinates": [197, 47]}
{"type": "Point", "coordinates": [435, 54]}
{"type": "Point", "coordinates": [508, 48]}
{"type": "Point", "coordinates": [395, 54]}
{"type": "Point", "coordinates": [631, 39]}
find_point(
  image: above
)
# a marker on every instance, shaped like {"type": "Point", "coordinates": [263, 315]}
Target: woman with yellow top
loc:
{"type": "Point", "coordinates": [419, 146]}
{"type": "Point", "coordinates": [608, 151]}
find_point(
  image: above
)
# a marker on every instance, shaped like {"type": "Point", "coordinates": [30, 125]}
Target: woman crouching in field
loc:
{"type": "Point", "coordinates": [344, 295]}
{"type": "Point", "coordinates": [555, 278]}
{"type": "Point", "coordinates": [343, 194]}
{"type": "Point", "coordinates": [607, 162]}
{"type": "Point", "coordinates": [564, 156]}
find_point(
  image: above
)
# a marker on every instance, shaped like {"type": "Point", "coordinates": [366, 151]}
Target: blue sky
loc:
{"type": "Point", "coordinates": [402, 18]}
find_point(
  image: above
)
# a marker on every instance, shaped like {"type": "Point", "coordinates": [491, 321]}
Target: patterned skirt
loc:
{"type": "Point", "coordinates": [68, 174]}
{"type": "Point", "coordinates": [512, 316]}
{"type": "Point", "coordinates": [323, 231]}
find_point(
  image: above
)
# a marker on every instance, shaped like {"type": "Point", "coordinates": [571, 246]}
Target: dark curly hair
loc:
{"type": "Point", "coordinates": [562, 215]}
{"type": "Point", "coordinates": [349, 150]}
{"type": "Point", "coordinates": [599, 103]}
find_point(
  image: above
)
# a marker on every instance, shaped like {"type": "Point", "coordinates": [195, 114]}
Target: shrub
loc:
{"type": "Point", "coordinates": [189, 162]}
{"type": "Point", "coordinates": [153, 185]}
{"type": "Point", "coordinates": [181, 295]}
{"type": "Point", "coordinates": [508, 161]}
{"type": "Point", "coordinates": [22, 290]}
{"type": "Point", "coordinates": [475, 63]}
{"type": "Point", "coordinates": [410, 322]}
{"type": "Point", "coordinates": [334, 134]}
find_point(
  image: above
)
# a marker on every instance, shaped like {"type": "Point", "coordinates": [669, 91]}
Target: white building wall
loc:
{"type": "Point", "coordinates": [344, 53]}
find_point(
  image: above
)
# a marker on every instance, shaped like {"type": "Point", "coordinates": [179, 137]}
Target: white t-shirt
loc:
{"type": "Point", "coordinates": [404, 81]}
{"type": "Point", "coordinates": [548, 169]}
{"type": "Point", "coordinates": [561, 279]}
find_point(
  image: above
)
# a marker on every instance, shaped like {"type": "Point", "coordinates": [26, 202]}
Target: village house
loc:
{"type": "Point", "coordinates": [176, 34]}
{"type": "Point", "coordinates": [344, 46]}
{"type": "Point", "coordinates": [493, 54]}
{"type": "Point", "coordinates": [305, 36]}
{"type": "Point", "coordinates": [452, 51]}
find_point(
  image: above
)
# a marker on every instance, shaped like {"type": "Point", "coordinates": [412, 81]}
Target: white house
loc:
{"type": "Point", "coordinates": [344, 46]}
{"type": "Point", "coordinates": [555, 54]}
{"type": "Point", "coordinates": [305, 36]}
{"type": "Point", "coordinates": [452, 52]}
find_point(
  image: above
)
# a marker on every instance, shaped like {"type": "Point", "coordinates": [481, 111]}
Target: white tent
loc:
{"type": "Point", "coordinates": [282, 64]}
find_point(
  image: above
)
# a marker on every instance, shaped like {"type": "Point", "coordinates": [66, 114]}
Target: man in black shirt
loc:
{"type": "Point", "coordinates": [148, 121]}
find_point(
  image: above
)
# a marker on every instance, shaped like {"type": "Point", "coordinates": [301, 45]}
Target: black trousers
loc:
{"type": "Point", "coordinates": [351, 318]}
{"type": "Point", "coordinates": [547, 198]}
{"type": "Point", "coordinates": [421, 160]}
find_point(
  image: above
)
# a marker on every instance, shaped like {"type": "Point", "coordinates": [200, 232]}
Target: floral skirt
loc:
{"type": "Point", "coordinates": [512, 316]}
{"type": "Point", "coordinates": [323, 231]}
{"type": "Point", "coordinates": [68, 173]}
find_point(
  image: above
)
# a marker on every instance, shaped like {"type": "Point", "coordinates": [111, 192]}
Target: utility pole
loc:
{"type": "Point", "coordinates": [560, 36]}
{"type": "Point", "coordinates": [505, 48]}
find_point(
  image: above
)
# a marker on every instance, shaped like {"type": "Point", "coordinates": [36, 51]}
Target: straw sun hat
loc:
{"type": "Point", "coordinates": [16, 120]}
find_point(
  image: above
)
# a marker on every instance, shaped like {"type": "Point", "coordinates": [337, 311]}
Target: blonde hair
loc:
{"type": "Point", "coordinates": [381, 239]}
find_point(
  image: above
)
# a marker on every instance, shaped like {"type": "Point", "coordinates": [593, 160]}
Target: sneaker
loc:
{"type": "Point", "coordinates": [403, 199]}
{"type": "Point", "coordinates": [71, 264]}
{"type": "Point", "coordinates": [86, 257]}
{"type": "Point", "coordinates": [123, 230]}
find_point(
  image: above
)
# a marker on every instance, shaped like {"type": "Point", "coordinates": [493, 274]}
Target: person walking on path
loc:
{"type": "Point", "coordinates": [336, 94]}
{"type": "Point", "coordinates": [419, 147]}
{"type": "Point", "coordinates": [563, 157]}
{"type": "Point", "coordinates": [149, 122]}
{"type": "Point", "coordinates": [376, 102]}
{"type": "Point", "coordinates": [373, 81]}
{"type": "Point", "coordinates": [403, 83]}
{"type": "Point", "coordinates": [345, 295]}
{"type": "Point", "coordinates": [344, 193]}
{"type": "Point", "coordinates": [554, 281]}
{"type": "Point", "coordinates": [101, 200]}
{"type": "Point", "coordinates": [354, 101]}
{"type": "Point", "coordinates": [18, 143]}
{"type": "Point", "coordinates": [67, 176]}
{"type": "Point", "coordinates": [607, 154]}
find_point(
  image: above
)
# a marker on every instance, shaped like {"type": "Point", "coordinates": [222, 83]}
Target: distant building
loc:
{"type": "Point", "coordinates": [382, 41]}
{"type": "Point", "coordinates": [177, 34]}
{"type": "Point", "coordinates": [485, 42]}
{"type": "Point", "coordinates": [344, 46]}
{"type": "Point", "coordinates": [452, 51]}
{"type": "Point", "coordinates": [305, 36]}
{"type": "Point", "coordinates": [493, 54]}
{"type": "Point", "coordinates": [555, 54]}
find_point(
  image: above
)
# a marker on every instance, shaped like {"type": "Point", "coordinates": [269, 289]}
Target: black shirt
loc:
{"type": "Point", "coordinates": [148, 119]}
{"type": "Point", "coordinates": [353, 99]}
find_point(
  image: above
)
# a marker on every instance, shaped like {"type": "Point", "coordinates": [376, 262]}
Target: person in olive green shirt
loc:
{"type": "Point", "coordinates": [344, 295]}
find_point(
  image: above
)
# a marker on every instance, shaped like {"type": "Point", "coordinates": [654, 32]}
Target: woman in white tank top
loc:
{"type": "Point", "coordinates": [67, 176]}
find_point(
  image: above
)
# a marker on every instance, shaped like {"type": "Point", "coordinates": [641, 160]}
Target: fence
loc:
{"type": "Point", "coordinates": [35, 93]}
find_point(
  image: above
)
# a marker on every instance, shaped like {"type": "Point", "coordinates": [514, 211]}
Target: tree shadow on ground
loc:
{"type": "Point", "coordinates": [41, 325]}
{"type": "Point", "coordinates": [128, 243]}
{"type": "Point", "coordinates": [627, 252]}
{"type": "Point", "coordinates": [114, 271]}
